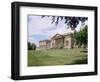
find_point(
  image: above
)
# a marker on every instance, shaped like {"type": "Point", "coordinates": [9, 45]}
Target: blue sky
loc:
{"type": "Point", "coordinates": [41, 28]}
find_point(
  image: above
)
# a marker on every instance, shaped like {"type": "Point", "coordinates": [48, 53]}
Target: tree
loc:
{"type": "Point", "coordinates": [71, 22]}
{"type": "Point", "coordinates": [81, 37]}
{"type": "Point", "coordinates": [31, 46]}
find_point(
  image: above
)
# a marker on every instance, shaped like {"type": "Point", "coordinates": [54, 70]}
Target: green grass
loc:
{"type": "Point", "coordinates": [57, 57]}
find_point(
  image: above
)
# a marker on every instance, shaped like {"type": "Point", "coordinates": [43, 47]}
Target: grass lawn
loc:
{"type": "Point", "coordinates": [57, 57]}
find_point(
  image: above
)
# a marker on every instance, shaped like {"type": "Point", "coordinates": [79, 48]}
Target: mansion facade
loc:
{"type": "Point", "coordinates": [58, 41]}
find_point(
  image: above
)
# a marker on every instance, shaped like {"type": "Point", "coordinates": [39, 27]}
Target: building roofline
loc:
{"type": "Point", "coordinates": [44, 40]}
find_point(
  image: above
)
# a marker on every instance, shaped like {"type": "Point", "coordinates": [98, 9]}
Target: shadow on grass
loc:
{"type": "Point", "coordinates": [84, 51]}
{"type": "Point", "coordinates": [80, 61]}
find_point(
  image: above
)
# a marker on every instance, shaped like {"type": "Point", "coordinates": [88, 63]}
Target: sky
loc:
{"type": "Point", "coordinates": [41, 28]}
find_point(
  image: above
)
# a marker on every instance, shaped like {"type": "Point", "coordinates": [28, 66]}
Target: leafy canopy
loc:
{"type": "Point", "coordinates": [71, 22]}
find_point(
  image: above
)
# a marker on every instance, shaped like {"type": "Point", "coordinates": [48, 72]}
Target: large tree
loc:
{"type": "Point", "coordinates": [71, 22]}
{"type": "Point", "coordinates": [81, 37]}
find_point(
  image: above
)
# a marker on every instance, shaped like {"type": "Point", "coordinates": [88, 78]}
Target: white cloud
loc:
{"type": "Point", "coordinates": [38, 25]}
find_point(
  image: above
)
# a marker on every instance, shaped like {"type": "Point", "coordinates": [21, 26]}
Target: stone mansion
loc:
{"type": "Point", "coordinates": [58, 41]}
